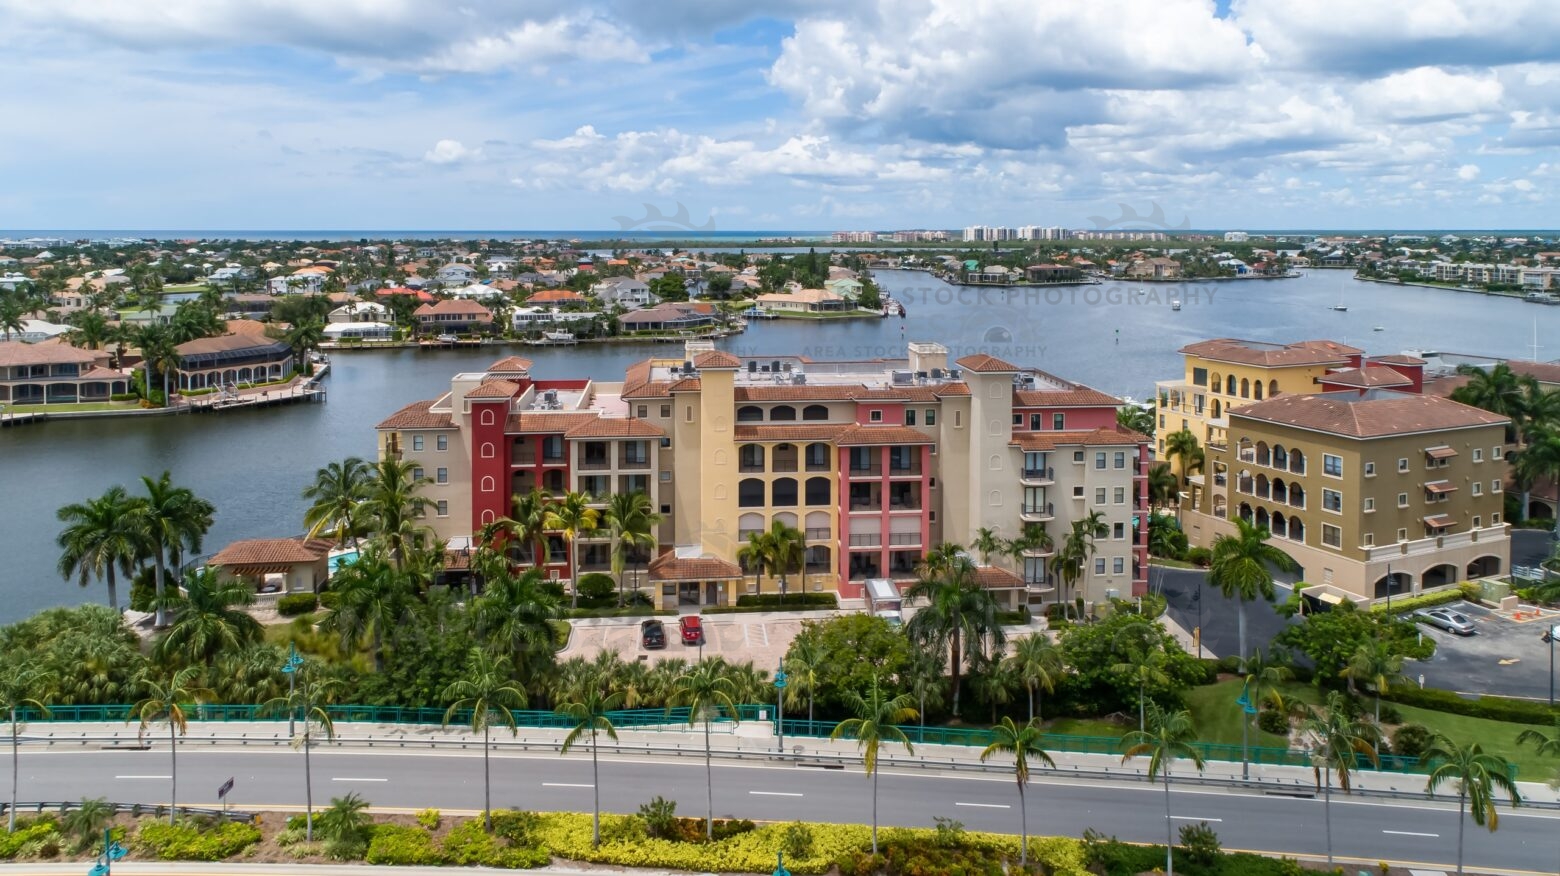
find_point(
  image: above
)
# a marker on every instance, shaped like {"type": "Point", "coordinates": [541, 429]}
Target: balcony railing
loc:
{"type": "Point", "coordinates": [595, 464]}
{"type": "Point", "coordinates": [1039, 474]}
{"type": "Point", "coordinates": [865, 505]}
{"type": "Point", "coordinates": [866, 539]}
{"type": "Point", "coordinates": [751, 468]}
{"type": "Point", "coordinates": [904, 538]}
{"type": "Point", "coordinates": [818, 533]}
{"type": "Point", "coordinates": [870, 471]}
{"type": "Point", "coordinates": [522, 458]}
{"type": "Point", "coordinates": [633, 462]}
{"type": "Point", "coordinates": [1047, 509]}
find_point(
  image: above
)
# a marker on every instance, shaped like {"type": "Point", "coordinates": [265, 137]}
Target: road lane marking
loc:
{"type": "Point", "coordinates": [355, 779]}
{"type": "Point", "coordinates": [986, 805]}
{"type": "Point", "coordinates": [1412, 833]}
{"type": "Point", "coordinates": [164, 778]}
{"type": "Point", "coordinates": [1193, 818]}
{"type": "Point", "coordinates": [565, 785]}
{"type": "Point", "coordinates": [775, 793]}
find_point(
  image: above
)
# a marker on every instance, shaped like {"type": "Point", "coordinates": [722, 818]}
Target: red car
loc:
{"type": "Point", "coordinates": [692, 629]}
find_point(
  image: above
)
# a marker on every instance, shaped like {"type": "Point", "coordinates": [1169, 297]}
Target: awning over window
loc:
{"type": "Point", "coordinates": [1439, 521]}
{"type": "Point", "coordinates": [1440, 452]}
{"type": "Point", "coordinates": [1439, 487]}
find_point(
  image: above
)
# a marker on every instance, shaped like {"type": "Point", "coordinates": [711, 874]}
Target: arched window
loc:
{"type": "Point", "coordinates": [819, 559]}
{"type": "Point", "coordinates": [1245, 388]}
{"type": "Point", "coordinates": [1296, 529]}
{"type": "Point", "coordinates": [1216, 382]}
{"type": "Point", "coordinates": [787, 519]}
{"type": "Point", "coordinates": [818, 491]}
{"type": "Point", "coordinates": [1280, 456]}
{"type": "Point", "coordinates": [782, 412]}
{"type": "Point", "coordinates": [750, 414]}
{"type": "Point", "coordinates": [1272, 388]}
{"type": "Point", "coordinates": [782, 492]}
{"type": "Point", "coordinates": [818, 457]}
{"type": "Point", "coordinates": [1245, 512]}
{"type": "Point", "coordinates": [488, 484]}
{"type": "Point", "coordinates": [487, 450]}
{"type": "Point", "coordinates": [1296, 495]}
{"type": "Point", "coordinates": [487, 416]}
{"type": "Point", "coordinates": [1256, 391]}
{"type": "Point", "coordinates": [751, 457]}
{"type": "Point", "coordinates": [815, 412]}
{"type": "Point", "coordinates": [817, 524]}
{"type": "Point", "coordinates": [1280, 527]}
{"type": "Point", "coordinates": [487, 516]}
{"type": "Point", "coordinates": [1216, 409]}
{"type": "Point", "coordinates": [1297, 461]}
{"type": "Point", "coordinates": [1280, 490]}
{"type": "Point", "coordinates": [750, 493]}
{"type": "Point", "coordinates": [1263, 456]}
{"type": "Point", "coordinates": [1262, 518]}
{"type": "Point", "coordinates": [1229, 385]}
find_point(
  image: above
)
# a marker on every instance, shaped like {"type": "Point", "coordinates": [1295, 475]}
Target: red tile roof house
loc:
{"type": "Point", "coordinates": [275, 565]}
{"type": "Point", "coordinates": [454, 315]}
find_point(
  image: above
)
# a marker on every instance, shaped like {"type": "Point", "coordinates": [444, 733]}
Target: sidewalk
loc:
{"type": "Point", "coordinates": [748, 740]}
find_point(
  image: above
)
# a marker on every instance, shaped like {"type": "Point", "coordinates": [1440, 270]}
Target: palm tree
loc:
{"type": "Point", "coordinates": [515, 614]}
{"type": "Point", "coordinates": [165, 700]}
{"type": "Point", "coordinates": [994, 680]}
{"type": "Point", "coordinates": [1144, 668]}
{"type": "Point", "coordinates": [572, 517]}
{"type": "Point", "coordinates": [1263, 679]}
{"type": "Point", "coordinates": [1182, 445]}
{"type": "Point", "coordinates": [778, 551]}
{"type": "Point", "coordinates": [1162, 485]}
{"type": "Point", "coordinates": [1242, 569]}
{"type": "Point", "coordinates": [632, 520]}
{"type": "Point", "coordinates": [89, 329]}
{"type": "Point", "coordinates": [173, 518]}
{"type": "Point", "coordinates": [307, 700]}
{"type": "Point", "coordinates": [21, 687]}
{"type": "Point", "coordinates": [303, 337]}
{"type": "Point", "coordinates": [1168, 739]}
{"type": "Point", "coordinates": [338, 492]}
{"type": "Point", "coordinates": [487, 691]}
{"type": "Point", "coordinates": [1374, 664]}
{"type": "Point", "coordinates": [804, 664]}
{"type": "Point", "coordinates": [1023, 743]}
{"type": "Point", "coordinates": [986, 543]}
{"type": "Point", "coordinates": [924, 681]}
{"type": "Point", "coordinates": [371, 598]}
{"type": "Point", "coordinates": [103, 536]}
{"type": "Point", "coordinates": [393, 506]}
{"type": "Point", "coordinates": [210, 619]}
{"type": "Point", "coordinates": [707, 690]}
{"type": "Point", "coordinates": [530, 522]}
{"type": "Point", "coordinates": [1479, 777]}
{"type": "Point", "coordinates": [1499, 390]}
{"type": "Point", "coordinates": [1538, 459]}
{"type": "Point", "coordinates": [159, 352]}
{"type": "Point", "coordinates": [957, 609]}
{"type": "Point", "coordinates": [877, 716]}
{"type": "Point", "coordinates": [1038, 664]}
{"type": "Point", "coordinates": [1072, 560]}
{"type": "Point", "coordinates": [1339, 743]}
{"type": "Point", "coordinates": [590, 714]}
{"type": "Point", "coordinates": [1134, 418]}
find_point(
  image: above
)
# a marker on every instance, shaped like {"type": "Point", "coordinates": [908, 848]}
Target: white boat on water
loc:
{"type": "Point", "coordinates": [1340, 307]}
{"type": "Point", "coordinates": [1175, 304]}
{"type": "Point", "coordinates": [559, 336]}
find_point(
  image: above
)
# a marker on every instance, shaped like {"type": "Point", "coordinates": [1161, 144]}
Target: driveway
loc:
{"type": "Point", "coordinates": [1504, 657]}
{"type": "Point", "coordinates": [1219, 616]}
{"type": "Point", "coordinates": [762, 637]}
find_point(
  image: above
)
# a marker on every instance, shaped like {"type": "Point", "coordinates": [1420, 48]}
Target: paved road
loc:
{"type": "Point", "coordinates": [1409, 831]}
{"type": "Point", "coordinates": [1220, 616]}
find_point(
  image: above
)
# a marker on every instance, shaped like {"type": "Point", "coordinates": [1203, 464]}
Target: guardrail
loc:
{"type": "Point", "coordinates": [417, 715]}
{"type": "Point", "coordinates": [65, 806]}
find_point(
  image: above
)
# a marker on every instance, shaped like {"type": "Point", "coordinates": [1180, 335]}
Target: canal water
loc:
{"type": "Point", "coordinates": [1118, 337]}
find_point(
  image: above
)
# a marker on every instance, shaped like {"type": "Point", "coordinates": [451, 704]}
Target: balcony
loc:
{"type": "Point", "coordinates": [1039, 552]}
{"type": "Point", "coordinates": [867, 471]}
{"type": "Point", "coordinates": [595, 463]}
{"type": "Point", "coordinates": [1037, 513]}
{"type": "Point", "coordinates": [904, 539]}
{"type": "Point", "coordinates": [1038, 477]}
{"type": "Point", "coordinates": [522, 457]}
{"type": "Point", "coordinates": [633, 462]}
{"type": "Point", "coordinates": [902, 471]}
{"type": "Point", "coordinates": [818, 533]}
{"type": "Point", "coordinates": [866, 539]}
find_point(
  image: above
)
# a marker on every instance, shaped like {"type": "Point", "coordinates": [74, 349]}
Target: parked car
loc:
{"type": "Point", "coordinates": [692, 629]}
{"type": "Point", "coordinates": [652, 634]}
{"type": "Point", "coordinates": [1447, 619]}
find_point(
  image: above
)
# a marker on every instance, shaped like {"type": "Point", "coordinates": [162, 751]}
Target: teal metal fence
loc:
{"type": "Point", "coordinates": [625, 718]}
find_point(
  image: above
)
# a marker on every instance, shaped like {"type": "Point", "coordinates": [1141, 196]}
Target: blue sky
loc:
{"type": "Point", "coordinates": [791, 114]}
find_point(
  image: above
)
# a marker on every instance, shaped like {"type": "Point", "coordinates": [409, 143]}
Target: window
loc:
{"type": "Point", "coordinates": [443, 475]}
{"type": "Point", "coordinates": [1058, 422]}
{"type": "Point", "coordinates": [931, 417]}
{"type": "Point", "coordinates": [1495, 519]}
{"type": "Point", "coordinates": [1120, 496]}
{"type": "Point", "coordinates": [958, 418]}
{"type": "Point", "coordinates": [1495, 452]}
{"type": "Point", "coordinates": [487, 451]}
{"type": "Point", "coordinates": [417, 442]}
{"type": "Point", "coordinates": [1332, 465]}
{"type": "Point", "coordinates": [417, 473]}
{"type": "Point", "coordinates": [1332, 500]}
{"type": "Point", "coordinates": [1403, 464]}
{"type": "Point", "coordinates": [1099, 496]}
{"type": "Point", "coordinates": [1118, 565]}
{"type": "Point", "coordinates": [442, 442]}
{"type": "Point", "coordinates": [1120, 460]}
{"type": "Point", "coordinates": [1369, 539]}
{"type": "Point", "coordinates": [666, 510]}
{"type": "Point", "coordinates": [1332, 536]}
{"type": "Point", "coordinates": [488, 485]}
{"type": "Point", "coordinates": [1402, 500]}
{"type": "Point", "coordinates": [666, 476]}
{"type": "Point", "coordinates": [1478, 488]}
{"type": "Point", "coordinates": [1099, 459]}
{"type": "Point", "coordinates": [750, 414]}
{"type": "Point", "coordinates": [1099, 565]}
{"type": "Point", "coordinates": [1370, 469]}
{"type": "Point", "coordinates": [1078, 492]}
{"type": "Point", "coordinates": [444, 508]}
{"type": "Point", "coordinates": [688, 413]}
{"type": "Point", "coordinates": [931, 517]}
{"type": "Point", "coordinates": [666, 412]}
{"type": "Point", "coordinates": [1478, 454]}
{"type": "Point", "coordinates": [1199, 377]}
{"type": "Point", "coordinates": [815, 412]}
{"type": "Point", "coordinates": [642, 411]}
{"type": "Point", "coordinates": [1077, 456]}
{"type": "Point", "coordinates": [1402, 535]}
{"type": "Point", "coordinates": [1476, 522]}
{"type": "Point", "coordinates": [1018, 419]}
{"type": "Point", "coordinates": [487, 416]}
{"type": "Point", "coordinates": [666, 442]}
{"type": "Point", "coordinates": [1118, 531]}
{"type": "Point", "coordinates": [1370, 504]}
{"type": "Point", "coordinates": [1495, 486]}
{"type": "Point", "coordinates": [909, 417]}
{"type": "Point", "coordinates": [1036, 422]}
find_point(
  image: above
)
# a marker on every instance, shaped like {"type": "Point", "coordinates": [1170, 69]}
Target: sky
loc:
{"type": "Point", "coordinates": [779, 114]}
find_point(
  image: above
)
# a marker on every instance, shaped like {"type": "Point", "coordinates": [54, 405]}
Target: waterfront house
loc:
{"type": "Point", "coordinates": [473, 291]}
{"type": "Point", "coordinates": [420, 295]}
{"type": "Point", "coordinates": [274, 566]}
{"type": "Point", "coordinates": [360, 311]}
{"type": "Point", "coordinates": [54, 373]}
{"type": "Point", "coordinates": [1157, 268]}
{"type": "Point", "coordinates": [453, 315]}
{"type": "Point", "coordinates": [805, 301]}
{"type": "Point", "coordinates": [232, 360]}
{"type": "Point", "coordinates": [1052, 274]}
{"type": "Point", "coordinates": [379, 331]}
{"type": "Point", "coordinates": [848, 288]}
{"type": "Point", "coordinates": [668, 316]}
{"type": "Point", "coordinates": [626, 292]}
{"type": "Point", "coordinates": [555, 296]}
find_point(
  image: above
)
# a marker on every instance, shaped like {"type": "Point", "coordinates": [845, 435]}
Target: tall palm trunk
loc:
{"type": "Point", "coordinates": [157, 571]}
{"type": "Point", "coordinates": [173, 774]}
{"type": "Point", "coordinates": [113, 590]}
{"type": "Point", "coordinates": [1141, 723]}
{"type": "Point", "coordinates": [874, 812]}
{"type": "Point", "coordinates": [957, 659]}
{"type": "Point", "coordinates": [595, 790]}
{"type": "Point", "coordinates": [1245, 747]}
{"type": "Point", "coordinates": [1462, 805]}
{"type": "Point", "coordinates": [1327, 810]}
{"type": "Point", "coordinates": [308, 790]}
{"type": "Point", "coordinates": [709, 784]}
{"type": "Point", "coordinates": [11, 813]}
{"type": "Point", "coordinates": [1169, 837]}
{"type": "Point", "coordinates": [487, 783]}
{"type": "Point", "coordinates": [1031, 690]}
{"type": "Point", "coordinates": [1023, 829]}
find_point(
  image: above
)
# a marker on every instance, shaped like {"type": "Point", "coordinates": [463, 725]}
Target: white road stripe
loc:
{"type": "Point", "coordinates": [564, 785]}
{"type": "Point", "coordinates": [1412, 833]}
{"type": "Point", "coordinates": [164, 778]}
{"type": "Point", "coordinates": [986, 805]}
{"type": "Point", "coordinates": [774, 793]}
{"type": "Point", "coordinates": [1193, 818]}
{"type": "Point", "coordinates": [355, 779]}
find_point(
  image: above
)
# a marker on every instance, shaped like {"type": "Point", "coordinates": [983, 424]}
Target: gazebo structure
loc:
{"type": "Point", "coordinates": [694, 580]}
{"type": "Point", "coordinates": [276, 565]}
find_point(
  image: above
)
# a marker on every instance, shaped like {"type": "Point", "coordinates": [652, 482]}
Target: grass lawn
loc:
{"type": "Point", "coordinates": [1171, 564]}
{"type": "Point", "coordinates": [1497, 737]}
{"type": "Point", "coordinates": [1217, 718]}
{"type": "Point", "coordinates": [1086, 727]}
{"type": "Point", "coordinates": [184, 287]}
{"type": "Point", "coordinates": [68, 408]}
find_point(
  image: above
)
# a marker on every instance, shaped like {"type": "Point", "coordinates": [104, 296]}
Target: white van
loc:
{"type": "Point", "coordinates": [884, 601]}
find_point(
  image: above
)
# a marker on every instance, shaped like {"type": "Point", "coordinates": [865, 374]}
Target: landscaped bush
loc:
{"type": "Point", "coordinates": [595, 586]}
{"type": "Point", "coordinates": [1199, 556]}
{"type": "Point", "coordinates": [407, 846]}
{"type": "Point", "coordinates": [294, 604]}
{"type": "Point", "coordinates": [1491, 707]}
{"type": "Point", "coordinates": [470, 846]}
{"type": "Point", "coordinates": [1390, 714]}
{"type": "Point", "coordinates": [188, 841]}
{"type": "Point", "coordinates": [1428, 600]}
{"type": "Point", "coordinates": [631, 611]}
{"type": "Point", "coordinates": [1273, 721]}
{"type": "Point", "coordinates": [1014, 618]}
{"type": "Point", "coordinates": [1412, 740]}
{"type": "Point", "coordinates": [428, 818]}
{"type": "Point", "coordinates": [329, 599]}
{"type": "Point", "coordinates": [29, 831]}
{"type": "Point", "coordinates": [816, 600]}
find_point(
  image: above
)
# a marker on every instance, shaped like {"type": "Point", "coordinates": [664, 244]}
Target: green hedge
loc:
{"type": "Point", "coordinates": [186, 841]}
{"type": "Point", "coordinates": [1440, 597]}
{"type": "Point", "coordinates": [631, 611]}
{"type": "Point", "coordinates": [814, 600]}
{"type": "Point", "coordinates": [470, 846]}
{"type": "Point", "coordinates": [1491, 707]}
{"type": "Point", "coordinates": [403, 846]}
{"type": "Point", "coordinates": [27, 832]}
{"type": "Point", "coordinates": [294, 604]}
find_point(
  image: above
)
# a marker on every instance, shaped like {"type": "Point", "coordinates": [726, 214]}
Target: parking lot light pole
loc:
{"type": "Point", "coordinates": [290, 668]}
{"type": "Point", "coordinates": [1548, 638]}
{"type": "Point", "coordinates": [780, 704]}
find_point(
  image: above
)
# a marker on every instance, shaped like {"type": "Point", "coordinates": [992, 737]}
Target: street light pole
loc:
{"type": "Point", "coordinates": [1548, 638]}
{"type": "Point", "coordinates": [780, 679]}
{"type": "Point", "coordinates": [290, 668]}
{"type": "Point", "coordinates": [1198, 600]}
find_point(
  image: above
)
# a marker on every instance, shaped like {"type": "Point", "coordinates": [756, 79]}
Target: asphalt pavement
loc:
{"type": "Point", "coordinates": [1219, 616]}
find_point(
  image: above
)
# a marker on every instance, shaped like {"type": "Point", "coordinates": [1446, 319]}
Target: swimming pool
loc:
{"type": "Point", "coordinates": [344, 558]}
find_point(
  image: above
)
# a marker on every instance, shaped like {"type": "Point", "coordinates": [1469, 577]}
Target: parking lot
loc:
{"type": "Point", "coordinates": [1504, 657]}
{"type": "Point", "coordinates": [762, 638]}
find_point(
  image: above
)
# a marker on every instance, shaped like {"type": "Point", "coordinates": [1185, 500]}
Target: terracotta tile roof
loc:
{"type": "Point", "coordinates": [857, 435]}
{"type": "Point", "coordinates": [246, 327]}
{"type": "Point", "coordinates": [232, 343]}
{"type": "Point", "coordinates": [417, 416]}
{"type": "Point", "coordinates": [1445, 386]}
{"type": "Point", "coordinates": [18, 353]}
{"type": "Point", "coordinates": [1543, 372]}
{"type": "Point", "coordinates": [687, 384]}
{"type": "Point", "coordinates": [615, 427]}
{"type": "Point", "coordinates": [98, 372]}
{"type": "Point", "coordinates": [993, 578]}
{"type": "Point", "coordinates": [716, 359]}
{"type": "Point", "coordinates": [495, 389]}
{"type": "Point", "coordinates": [546, 421]}
{"type": "Point", "coordinates": [510, 363]}
{"type": "Point", "coordinates": [1380, 414]}
{"type": "Point", "coordinates": [456, 307]}
{"type": "Point", "coordinates": [799, 432]}
{"type": "Point", "coordinates": [554, 296]}
{"type": "Point", "coordinates": [670, 567]}
{"type": "Point", "coordinates": [1368, 376]}
{"type": "Point", "coordinates": [1077, 437]}
{"type": "Point", "coordinates": [982, 363]}
{"type": "Point", "coordinates": [1269, 355]}
{"type": "Point", "coordinates": [1397, 359]}
{"type": "Point", "coordinates": [271, 551]}
{"type": "Point", "coordinates": [1080, 397]}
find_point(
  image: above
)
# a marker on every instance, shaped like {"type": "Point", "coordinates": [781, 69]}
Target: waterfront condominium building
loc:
{"type": "Point", "coordinates": [874, 462]}
{"type": "Point", "coordinates": [1372, 487]}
